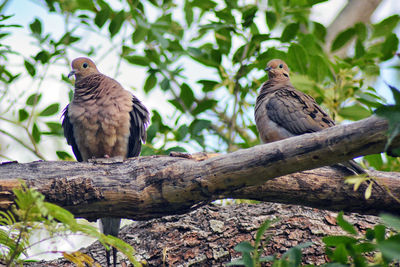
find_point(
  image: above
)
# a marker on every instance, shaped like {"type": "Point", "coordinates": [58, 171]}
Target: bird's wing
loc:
{"type": "Point", "coordinates": [297, 112]}
{"type": "Point", "coordinates": [139, 117]}
{"type": "Point", "coordinates": [69, 134]}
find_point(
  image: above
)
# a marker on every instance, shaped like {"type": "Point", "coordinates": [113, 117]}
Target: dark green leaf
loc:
{"type": "Point", "coordinates": [374, 160]}
{"type": "Point", "coordinates": [386, 26]}
{"type": "Point", "coordinates": [116, 23]}
{"type": "Point", "coordinates": [355, 112]}
{"type": "Point", "coordinates": [84, 4]}
{"type": "Point", "coordinates": [22, 114]}
{"type": "Point", "coordinates": [33, 99]}
{"type": "Point", "coordinates": [181, 133]}
{"type": "Point", "coordinates": [318, 69]}
{"type": "Point", "coordinates": [102, 16]}
{"type": "Point", "coordinates": [248, 15]}
{"type": "Point", "coordinates": [271, 19]}
{"type": "Point", "coordinates": [359, 49]}
{"type": "Point", "coordinates": [345, 225]}
{"type": "Point", "coordinates": [336, 240]}
{"type": "Point", "coordinates": [342, 38]}
{"type": "Point", "coordinates": [204, 105]}
{"type": "Point", "coordinates": [165, 85]}
{"type": "Point", "coordinates": [261, 230]}
{"type": "Point", "coordinates": [380, 232]}
{"type": "Point", "coordinates": [43, 56]}
{"type": "Point", "coordinates": [364, 247]}
{"type": "Point", "coordinates": [177, 104]}
{"type": "Point", "coordinates": [204, 4]}
{"type": "Point", "coordinates": [389, 47]}
{"type": "Point", "coordinates": [36, 133]}
{"type": "Point", "coordinates": [55, 127]}
{"type": "Point", "coordinates": [30, 68]}
{"type": "Point", "coordinates": [319, 31]}
{"type": "Point", "coordinates": [244, 247]}
{"type": "Point", "coordinates": [138, 60]}
{"type": "Point", "coordinates": [297, 57]}
{"type": "Point", "coordinates": [290, 32]}
{"type": "Point", "coordinates": [50, 110]}
{"type": "Point", "coordinates": [361, 31]}
{"type": "Point", "coordinates": [36, 27]}
{"type": "Point", "coordinates": [187, 95]}
{"type": "Point", "coordinates": [150, 82]}
{"type": "Point", "coordinates": [208, 85]}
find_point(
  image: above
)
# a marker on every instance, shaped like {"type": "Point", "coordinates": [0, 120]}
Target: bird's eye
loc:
{"type": "Point", "coordinates": [281, 66]}
{"type": "Point", "coordinates": [85, 65]}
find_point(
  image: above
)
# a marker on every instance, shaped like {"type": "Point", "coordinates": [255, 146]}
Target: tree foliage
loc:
{"type": "Point", "coordinates": [231, 41]}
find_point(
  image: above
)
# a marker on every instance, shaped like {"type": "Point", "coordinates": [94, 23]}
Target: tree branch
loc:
{"type": "Point", "coordinates": [148, 187]}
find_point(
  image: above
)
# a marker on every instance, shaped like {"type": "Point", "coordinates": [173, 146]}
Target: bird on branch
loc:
{"type": "Point", "coordinates": [281, 111]}
{"type": "Point", "coordinates": [103, 121]}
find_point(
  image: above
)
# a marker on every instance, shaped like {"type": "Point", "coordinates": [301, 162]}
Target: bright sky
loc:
{"type": "Point", "coordinates": [129, 76]}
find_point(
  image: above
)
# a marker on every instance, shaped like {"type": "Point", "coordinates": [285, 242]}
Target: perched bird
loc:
{"type": "Point", "coordinates": [282, 111]}
{"type": "Point", "coordinates": [103, 120]}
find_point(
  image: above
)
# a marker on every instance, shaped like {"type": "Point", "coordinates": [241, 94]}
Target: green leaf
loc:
{"type": "Point", "coordinates": [244, 247]}
{"type": "Point", "coordinates": [391, 221]}
{"type": "Point", "coordinates": [22, 114]}
{"type": "Point", "coordinates": [248, 15]}
{"type": "Point", "coordinates": [102, 16]}
{"type": "Point", "coordinates": [198, 125]}
{"type": "Point", "coordinates": [150, 82]}
{"type": "Point", "coordinates": [33, 99]}
{"type": "Point", "coordinates": [340, 254]}
{"type": "Point", "coordinates": [30, 68]}
{"type": "Point", "coordinates": [345, 225]}
{"type": "Point", "coordinates": [175, 149]}
{"type": "Point", "coordinates": [261, 230]}
{"type": "Point", "coordinates": [390, 249]}
{"type": "Point", "coordinates": [165, 85]}
{"type": "Point", "coordinates": [208, 85]}
{"type": "Point", "coordinates": [36, 27]}
{"type": "Point", "coordinates": [355, 112]}
{"type": "Point", "coordinates": [364, 247]}
{"type": "Point", "coordinates": [319, 31]}
{"type": "Point", "coordinates": [204, 105]}
{"type": "Point", "coordinates": [386, 26]}
{"type": "Point", "coordinates": [204, 4]}
{"type": "Point", "coordinates": [50, 110]}
{"type": "Point", "coordinates": [36, 133]}
{"type": "Point", "coordinates": [374, 160]}
{"type": "Point", "coordinates": [318, 69]}
{"type": "Point", "coordinates": [55, 127]}
{"type": "Point", "coordinates": [340, 239]}
{"type": "Point", "coordinates": [290, 32]}
{"type": "Point", "coordinates": [342, 38]}
{"type": "Point", "coordinates": [181, 133]}
{"type": "Point", "coordinates": [389, 47]}
{"type": "Point", "coordinates": [297, 57]}
{"type": "Point", "coordinates": [359, 49]}
{"type": "Point", "coordinates": [84, 4]}
{"type": "Point", "coordinates": [116, 23]}
{"type": "Point", "coordinates": [63, 155]}
{"type": "Point", "coordinates": [43, 56]}
{"type": "Point", "coordinates": [188, 10]}
{"type": "Point", "coordinates": [187, 95]}
{"type": "Point", "coordinates": [380, 232]}
{"type": "Point", "coordinates": [138, 60]}
{"type": "Point", "coordinates": [271, 19]}
{"type": "Point", "coordinates": [139, 34]}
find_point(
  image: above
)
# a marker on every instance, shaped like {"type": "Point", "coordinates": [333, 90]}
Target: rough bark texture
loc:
{"type": "Point", "coordinates": [207, 236]}
{"type": "Point", "coordinates": [149, 187]}
{"type": "Point", "coordinates": [355, 11]}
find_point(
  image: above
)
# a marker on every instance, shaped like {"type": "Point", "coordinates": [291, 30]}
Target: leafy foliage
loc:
{"type": "Point", "coordinates": [31, 213]}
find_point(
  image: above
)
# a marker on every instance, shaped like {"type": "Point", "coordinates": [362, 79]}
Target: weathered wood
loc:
{"type": "Point", "coordinates": [208, 235]}
{"type": "Point", "coordinates": [149, 187]}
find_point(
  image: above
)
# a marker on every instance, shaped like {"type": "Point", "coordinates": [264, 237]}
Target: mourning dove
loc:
{"type": "Point", "coordinates": [282, 111]}
{"type": "Point", "coordinates": [103, 120]}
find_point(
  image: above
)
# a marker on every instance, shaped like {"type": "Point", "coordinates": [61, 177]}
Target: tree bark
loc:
{"type": "Point", "coordinates": [208, 235]}
{"type": "Point", "coordinates": [155, 186]}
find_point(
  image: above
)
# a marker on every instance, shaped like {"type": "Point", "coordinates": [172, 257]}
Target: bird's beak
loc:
{"type": "Point", "coordinates": [71, 73]}
{"type": "Point", "coordinates": [267, 68]}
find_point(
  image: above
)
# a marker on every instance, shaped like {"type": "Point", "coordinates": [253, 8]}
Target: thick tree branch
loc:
{"type": "Point", "coordinates": [149, 187]}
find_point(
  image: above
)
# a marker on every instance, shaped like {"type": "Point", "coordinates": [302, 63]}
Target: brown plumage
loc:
{"type": "Point", "coordinates": [103, 120]}
{"type": "Point", "coordinates": [282, 111]}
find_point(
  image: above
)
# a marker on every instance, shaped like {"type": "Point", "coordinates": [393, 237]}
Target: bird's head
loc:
{"type": "Point", "coordinates": [82, 67]}
{"type": "Point", "coordinates": [277, 69]}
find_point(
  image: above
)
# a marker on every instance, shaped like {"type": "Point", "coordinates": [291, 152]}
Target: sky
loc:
{"type": "Point", "coordinates": [24, 13]}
